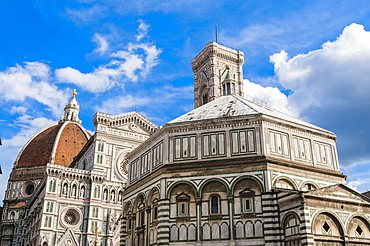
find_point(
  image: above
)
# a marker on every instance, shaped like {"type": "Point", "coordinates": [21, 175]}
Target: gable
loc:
{"type": "Point", "coordinates": [68, 238]}
{"type": "Point", "coordinates": [338, 192]}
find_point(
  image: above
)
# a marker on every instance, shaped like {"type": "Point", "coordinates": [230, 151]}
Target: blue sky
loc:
{"type": "Point", "coordinates": [308, 58]}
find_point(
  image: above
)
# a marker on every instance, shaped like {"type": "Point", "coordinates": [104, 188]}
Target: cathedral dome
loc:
{"type": "Point", "coordinates": [56, 144]}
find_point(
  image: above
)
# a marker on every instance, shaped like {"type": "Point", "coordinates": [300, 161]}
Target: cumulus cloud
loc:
{"type": "Point", "coordinates": [330, 88]}
{"type": "Point", "coordinates": [132, 63]}
{"type": "Point", "coordinates": [31, 81]}
{"type": "Point", "coordinates": [271, 95]}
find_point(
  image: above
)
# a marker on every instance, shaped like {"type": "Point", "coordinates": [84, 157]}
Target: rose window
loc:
{"type": "Point", "coordinates": [71, 217]}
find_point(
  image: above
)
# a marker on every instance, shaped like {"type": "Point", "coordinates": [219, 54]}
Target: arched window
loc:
{"type": "Point", "coordinates": [326, 225]}
{"type": "Point", "coordinates": [129, 221]}
{"type": "Point", "coordinates": [141, 215]}
{"type": "Point", "coordinates": [215, 204]}
{"type": "Point", "coordinates": [291, 230]}
{"type": "Point", "coordinates": [51, 186]}
{"type": "Point", "coordinates": [54, 185]}
{"type": "Point", "coordinates": [96, 192]}
{"type": "Point", "coordinates": [205, 98]}
{"type": "Point", "coordinates": [155, 209]}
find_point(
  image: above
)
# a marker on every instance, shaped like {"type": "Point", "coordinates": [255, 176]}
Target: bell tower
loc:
{"type": "Point", "coordinates": [212, 66]}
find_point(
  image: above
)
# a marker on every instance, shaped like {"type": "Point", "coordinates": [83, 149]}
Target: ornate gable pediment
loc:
{"type": "Point", "coordinates": [68, 239]}
{"type": "Point", "coordinates": [132, 122]}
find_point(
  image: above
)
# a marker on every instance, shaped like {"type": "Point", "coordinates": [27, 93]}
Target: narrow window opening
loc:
{"type": "Point", "coordinates": [214, 205]}
{"type": "Point", "coordinates": [155, 213]}
{"type": "Point", "coordinates": [247, 204]}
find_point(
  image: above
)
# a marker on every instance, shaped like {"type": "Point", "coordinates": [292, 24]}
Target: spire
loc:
{"type": "Point", "coordinates": [71, 110]}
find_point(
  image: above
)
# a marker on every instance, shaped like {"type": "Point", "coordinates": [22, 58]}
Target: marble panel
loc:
{"type": "Point", "coordinates": [239, 230]}
{"type": "Point", "coordinates": [237, 206]}
{"type": "Point", "coordinates": [258, 228]}
{"type": "Point", "coordinates": [183, 233]}
{"type": "Point", "coordinates": [204, 208]}
{"type": "Point", "coordinates": [224, 207]}
{"type": "Point", "coordinates": [215, 231]}
{"type": "Point", "coordinates": [155, 235]}
{"type": "Point", "coordinates": [192, 233]}
{"type": "Point", "coordinates": [173, 209]}
{"type": "Point", "coordinates": [193, 209]}
{"type": "Point", "coordinates": [224, 231]}
{"type": "Point", "coordinates": [249, 229]}
{"type": "Point", "coordinates": [258, 204]}
{"type": "Point", "coordinates": [206, 232]}
{"type": "Point", "coordinates": [174, 233]}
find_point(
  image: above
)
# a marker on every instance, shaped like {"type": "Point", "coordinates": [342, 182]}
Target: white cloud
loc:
{"type": "Point", "coordinates": [86, 14]}
{"type": "Point", "coordinates": [29, 126]}
{"type": "Point", "coordinates": [119, 104]}
{"type": "Point", "coordinates": [271, 95]}
{"type": "Point", "coordinates": [153, 104]}
{"type": "Point", "coordinates": [330, 88]}
{"type": "Point", "coordinates": [102, 44]}
{"type": "Point", "coordinates": [355, 183]}
{"type": "Point", "coordinates": [132, 63]}
{"type": "Point", "coordinates": [95, 10]}
{"type": "Point", "coordinates": [12, 146]}
{"type": "Point", "coordinates": [31, 81]}
{"type": "Point", "coordinates": [101, 79]}
{"type": "Point", "coordinates": [18, 110]}
{"type": "Point", "coordinates": [142, 31]}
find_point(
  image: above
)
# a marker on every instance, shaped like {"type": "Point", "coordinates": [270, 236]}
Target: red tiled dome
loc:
{"type": "Point", "coordinates": [57, 144]}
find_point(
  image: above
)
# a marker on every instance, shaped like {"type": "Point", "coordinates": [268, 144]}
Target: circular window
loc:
{"type": "Point", "coordinates": [122, 166]}
{"type": "Point", "coordinates": [71, 217]}
{"type": "Point", "coordinates": [28, 189]}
